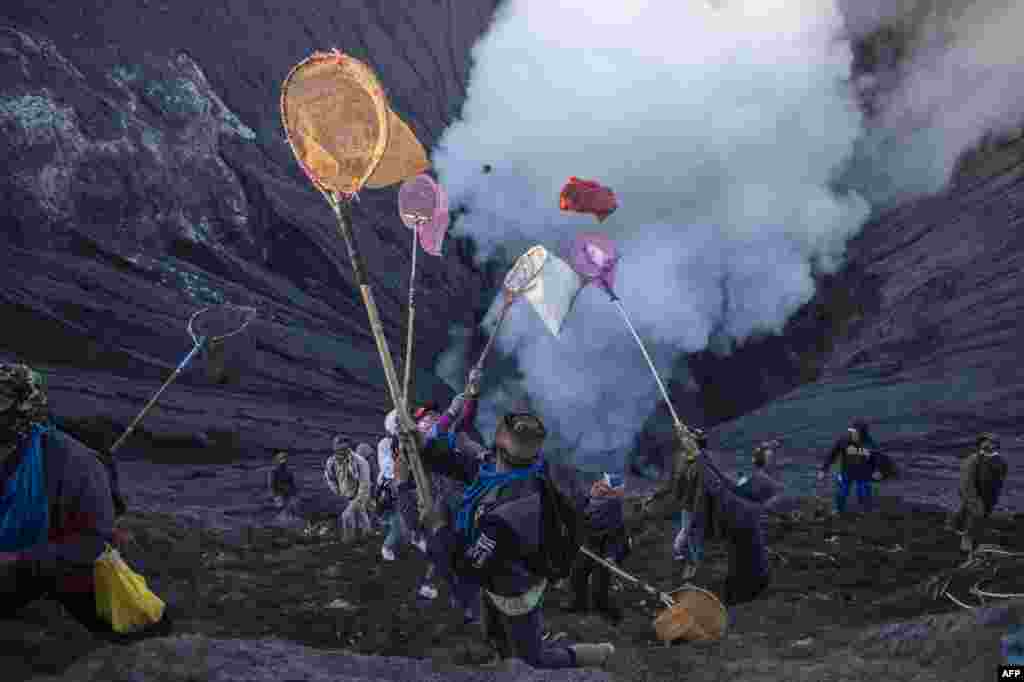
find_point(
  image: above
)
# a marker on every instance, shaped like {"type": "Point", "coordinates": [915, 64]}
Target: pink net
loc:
{"type": "Point", "coordinates": [423, 206]}
{"type": "Point", "coordinates": [593, 256]}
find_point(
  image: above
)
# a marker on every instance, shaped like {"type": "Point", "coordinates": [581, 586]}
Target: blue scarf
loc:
{"type": "Point", "coordinates": [488, 479]}
{"type": "Point", "coordinates": [24, 504]}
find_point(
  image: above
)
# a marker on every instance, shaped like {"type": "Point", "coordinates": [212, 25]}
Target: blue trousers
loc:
{"type": "Point", "coordinates": [694, 541]}
{"type": "Point", "coordinates": [864, 490]}
{"type": "Point", "coordinates": [396, 528]}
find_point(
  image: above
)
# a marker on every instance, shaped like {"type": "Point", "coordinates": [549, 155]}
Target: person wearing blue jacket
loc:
{"type": "Point", "coordinates": [495, 540]}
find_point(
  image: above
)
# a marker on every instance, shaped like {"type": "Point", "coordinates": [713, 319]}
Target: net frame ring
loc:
{"type": "Point", "coordinates": [676, 621]}
{"type": "Point", "coordinates": [362, 82]}
{"type": "Point", "coordinates": [418, 187]}
{"type": "Point", "coordinates": [529, 265]}
{"type": "Point", "coordinates": [250, 315]}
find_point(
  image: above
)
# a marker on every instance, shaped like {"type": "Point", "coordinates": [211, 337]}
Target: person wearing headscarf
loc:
{"type": "Point", "coordinates": [348, 475]}
{"type": "Point", "coordinates": [56, 511]}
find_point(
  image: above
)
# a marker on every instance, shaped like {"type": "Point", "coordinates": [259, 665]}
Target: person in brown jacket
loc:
{"type": "Point", "coordinates": [981, 481]}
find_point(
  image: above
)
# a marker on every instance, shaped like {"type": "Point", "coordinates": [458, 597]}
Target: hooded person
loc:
{"type": "Point", "coordinates": [498, 540]}
{"type": "Point", "coordinates": [857, 466]}
{"type": "Point", "coordinates": [607, 537]}
{"type": "Point", "coordinates": [56, 511]}
{"type": "Point", "coordinates": [982, 474]}
{"type": "Point", "coordinates": [281, 482]}
{"type": "Point", "coordinates": [348, 475]}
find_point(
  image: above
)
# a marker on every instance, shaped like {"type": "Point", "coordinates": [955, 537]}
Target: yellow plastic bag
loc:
{"type": "Point", "coordinates": [122, 597]}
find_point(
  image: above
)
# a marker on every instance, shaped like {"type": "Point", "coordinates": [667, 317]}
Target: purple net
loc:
{"type": "Point", "coordinates": [593, 256]}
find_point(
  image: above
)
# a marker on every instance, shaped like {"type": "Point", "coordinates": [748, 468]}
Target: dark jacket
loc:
{"type": "Point", "coordinates": [855, 459]}
{"type": "Point", "coordinates": [723, 512]}
{"type": "Point", "coordinates": [606, 525]}
{"type": "Point", "coordinates": [981, 482]}
{"type": "Point", "coordinates": [509, 547]}
{"type": "Point", "coordinates": [81, 521]}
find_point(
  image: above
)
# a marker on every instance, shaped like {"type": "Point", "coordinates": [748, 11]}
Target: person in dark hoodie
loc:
{"type": "Point", "coordinates": [56, 511]}
{"type": "Point", "coordinates": [496, 540]}
{"type": "Point", "coordinates": [981, 482]}
{"type": "Point", "coordinates": [606, 537]}
{"type": "Point", "coordinates": [857, 466]}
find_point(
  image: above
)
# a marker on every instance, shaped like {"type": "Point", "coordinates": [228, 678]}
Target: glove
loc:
{"type": "Point", "coordinates": [821, 475]}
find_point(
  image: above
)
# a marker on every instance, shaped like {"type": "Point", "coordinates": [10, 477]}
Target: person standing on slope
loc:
{"type": "Point", "coordinates": [348, 476]}
{"type": "Point", "coordinates": [981, 482]}
{"type": "Point", "coordinates": [281, 482]}
{"type": "Point", "coordinates": [387, 489]}
{"type": "Point", "coordinates": [607, 537]}
{"type": "Point", "coordinates": [857, 466]}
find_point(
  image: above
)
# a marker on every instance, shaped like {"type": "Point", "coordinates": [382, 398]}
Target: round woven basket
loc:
{"type": "Point", "coordinates": [696, 616]}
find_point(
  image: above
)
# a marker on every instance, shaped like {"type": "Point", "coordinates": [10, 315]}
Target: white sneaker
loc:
{"type": "Point", "coordinates": [428, 592]}
{"type": "Point", "coordinates": [387, 554]}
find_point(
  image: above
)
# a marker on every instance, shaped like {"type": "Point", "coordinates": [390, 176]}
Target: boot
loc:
{"type": "Point", "coordinates": [592, 655]}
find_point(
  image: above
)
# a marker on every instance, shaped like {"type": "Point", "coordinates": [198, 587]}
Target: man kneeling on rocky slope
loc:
{"type": "Point", "coordinates": [56, 510]}
{"type": "Point", "coordinates": [499, 540]}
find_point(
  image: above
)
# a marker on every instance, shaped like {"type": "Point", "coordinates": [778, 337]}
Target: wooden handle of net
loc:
{"type": "Point", "coordinates": [342, 211]}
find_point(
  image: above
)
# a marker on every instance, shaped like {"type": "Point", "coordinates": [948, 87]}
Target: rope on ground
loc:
{"type": "Point", "coordinates": [958, 602]}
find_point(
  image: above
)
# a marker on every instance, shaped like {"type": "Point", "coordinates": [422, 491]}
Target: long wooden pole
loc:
{"type": "Point", "coordinates": [343, 212]}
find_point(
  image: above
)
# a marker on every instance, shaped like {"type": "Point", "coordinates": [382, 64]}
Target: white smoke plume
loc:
{"type": "Point", "coordinates": [962, 80]}
{"type": "Point", "coordinates": [721, 131]}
